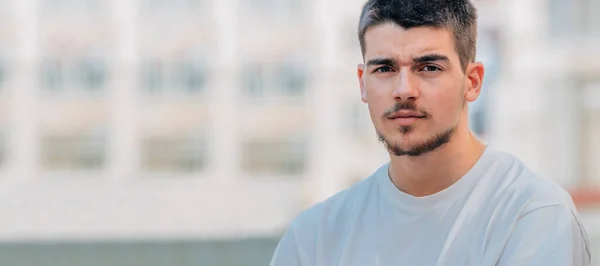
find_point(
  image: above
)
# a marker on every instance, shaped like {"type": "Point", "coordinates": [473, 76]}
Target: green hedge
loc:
{"type": "Point", "coordinates": [247, 252]}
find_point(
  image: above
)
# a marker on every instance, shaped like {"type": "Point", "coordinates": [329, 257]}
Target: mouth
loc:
{"type": "Point", "coordinates": [406, 121]}
{"type": "Point", "coordinates": [406, 118]}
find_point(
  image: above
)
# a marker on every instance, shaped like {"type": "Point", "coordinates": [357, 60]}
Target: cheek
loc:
{"type": "Point", "coordinates": [376, 110]}
{"type": "Point", "coordinates": [377, 107]}
{"type": "Point", "coordinates": [377, 96]}
{"type": "Point", "coordinates": [447, 106]}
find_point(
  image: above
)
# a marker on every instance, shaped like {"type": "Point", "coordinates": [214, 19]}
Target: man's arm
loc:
{"type": "Point", "coordinates": [548, 236]}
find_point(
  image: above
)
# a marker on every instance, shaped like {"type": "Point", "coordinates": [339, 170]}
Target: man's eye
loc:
{"type": "Point", "coordinates": [384, 69]}
{"type": "Point", "coordinates": [430, 69]}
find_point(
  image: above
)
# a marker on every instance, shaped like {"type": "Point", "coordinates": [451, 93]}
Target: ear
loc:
{"type": "Point", "coordinates": [360, 71]}
{"type": "Point", "coordinates": [474, 75]}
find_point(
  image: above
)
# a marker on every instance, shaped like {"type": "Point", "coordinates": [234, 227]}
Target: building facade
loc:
{"type": "Point", "coordinates": [195, 119]}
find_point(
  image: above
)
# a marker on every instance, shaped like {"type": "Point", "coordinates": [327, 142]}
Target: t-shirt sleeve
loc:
{"type": "Point", "coordinates": [287, 252]}
{"type": "Point", "coordinates": [548, 236]}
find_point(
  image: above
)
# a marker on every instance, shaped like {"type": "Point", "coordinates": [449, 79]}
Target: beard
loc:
{"type": "Point", "coordinates": [426, 146]}
{"type": "Point", "coordinates": [429, 145]}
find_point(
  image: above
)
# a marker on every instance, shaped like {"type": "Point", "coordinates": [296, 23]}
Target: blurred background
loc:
{"type": "Point", "coordinates": [191, 132]}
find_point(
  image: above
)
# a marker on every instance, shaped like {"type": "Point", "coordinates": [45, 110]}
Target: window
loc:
{"type": "Point", "coordinates": [72, 7]}
{"type": "Point", "coordinates": [51, 74]}
{"type": "Point", "coordinates": [73, 153]}
{"type": "Point", "coordinates": [84, 75]}
{"type": "Point", "coordinates": [590, 13]}
{"type": "Point", "coordinates": [488, 52]}
{"type": "Point", "coordinates": [286, 79]}
{"type": "Point", "coordinates": [3, 146]}
{"type": "Point", "coordinates": [184, 77]}
{"type": "Point", "coordinates": [562, 15]}
{"type": "Point", "coordinates": [292, 79]}
{"type": "Point", "coordinates": [91, 74]}
{"type": "Point", "coordinates": [275, 9]}
{"type": "Point", "coordinates": [152, 76]}
{"type": "Point", "coordinates": [589, 142]}
{"type": "Point", "coordinates": [173, 155]}
{"type": "Point", "coordinates": [3, 72]}
{"type": "Point", "coordinates": [571, 18]}
{"type": "Point", "coordinates": [254, 80]}
{"type": "Point", "coordinates": [173, 7]}
{"type": "Point", "coordinates": [269, 157]}
{"type": "Point", "coordinates": [190, 76]}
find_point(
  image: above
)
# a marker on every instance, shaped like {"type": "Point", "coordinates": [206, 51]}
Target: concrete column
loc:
{"type": "Point", "coordinates": [324, 178]}
{"type": "Point", "coordinates": [23, 138]}
{"type": "Point", "coordinates": [223, 138]}
{"type": "Point", "coordinates": [124, 135]}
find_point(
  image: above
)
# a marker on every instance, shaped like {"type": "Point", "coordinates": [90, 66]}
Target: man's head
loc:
{"type": "Point", "coordinates": [418, 70]}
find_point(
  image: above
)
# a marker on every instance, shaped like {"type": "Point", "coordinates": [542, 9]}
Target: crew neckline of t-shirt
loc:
{"type": "Point", "coordinates": [442, 198]}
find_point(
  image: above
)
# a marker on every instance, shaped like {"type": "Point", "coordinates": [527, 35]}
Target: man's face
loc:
{"type": "Point", "coordinates": [414, 86]}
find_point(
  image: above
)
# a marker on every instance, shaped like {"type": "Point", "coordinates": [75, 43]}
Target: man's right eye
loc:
{"type": "Point", "coordinates": [384, 69]}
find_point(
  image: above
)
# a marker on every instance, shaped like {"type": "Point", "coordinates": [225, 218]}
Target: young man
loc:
{"type": "Point", "coordinates": [444, 198]}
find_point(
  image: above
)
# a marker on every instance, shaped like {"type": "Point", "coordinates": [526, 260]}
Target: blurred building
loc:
{"type": "Point", "coordinates": [221, 120]}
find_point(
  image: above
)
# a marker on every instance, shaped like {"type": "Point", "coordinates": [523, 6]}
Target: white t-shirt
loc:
{"type": "Point", "coordinates": [499, 213]}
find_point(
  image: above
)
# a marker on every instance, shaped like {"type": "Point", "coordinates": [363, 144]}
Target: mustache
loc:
{"type": "Point", "coordinates": [407, 106]}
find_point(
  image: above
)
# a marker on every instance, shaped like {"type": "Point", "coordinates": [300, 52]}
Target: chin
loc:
{"type": "Point", "coordinates": [409, 144]}
{"type": "Point", "coordinates": [405, 144]}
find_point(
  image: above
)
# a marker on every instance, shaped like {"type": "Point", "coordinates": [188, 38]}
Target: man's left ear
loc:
{"type": "Point", "coordinates": [474, 75]}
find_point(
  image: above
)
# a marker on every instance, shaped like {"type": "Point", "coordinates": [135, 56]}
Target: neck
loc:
{"type": "Point", "coordinates": [435, 171]}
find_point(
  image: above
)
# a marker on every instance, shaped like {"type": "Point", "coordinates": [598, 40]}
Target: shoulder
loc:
{"type": "Point", "coordinates": [304, 235]}
{"type": "Point", "coordinates": [337, 208]}
{"type": "Point", "coordinates": [521, 187]}
{"type": "Point", "coordinates": [529, 206]}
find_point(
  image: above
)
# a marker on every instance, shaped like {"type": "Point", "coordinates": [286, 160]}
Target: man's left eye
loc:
{"type": "Point", "coordinates": [431, 69]}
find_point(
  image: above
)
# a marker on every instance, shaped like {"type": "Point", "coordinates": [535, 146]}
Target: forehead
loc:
{"type": "Point", "coordinates": [391, 40]}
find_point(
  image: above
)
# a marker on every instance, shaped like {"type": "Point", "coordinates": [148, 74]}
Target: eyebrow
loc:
{"type": "Point", "coordinates": [430, 58]}
{"type": "Point", "coordinates": [382, 61]}
{"type": "Point", "coordinates": [416, 60]}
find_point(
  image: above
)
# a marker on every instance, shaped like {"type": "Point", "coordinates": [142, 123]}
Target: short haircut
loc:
{"type": "Point", "coordinates": [457, 16]}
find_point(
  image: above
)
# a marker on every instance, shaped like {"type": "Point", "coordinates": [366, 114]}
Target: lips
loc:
{"type": "Point", "coordinates": [406, 114]}
{"type": "Point", "coordinates": [406, 117]}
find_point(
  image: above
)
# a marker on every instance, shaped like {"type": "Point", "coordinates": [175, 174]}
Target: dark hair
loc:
{"type": "Point", "coordinates": [457, 16]}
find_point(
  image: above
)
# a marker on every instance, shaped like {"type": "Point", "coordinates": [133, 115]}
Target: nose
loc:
{"type": "Point", "coordinates": [406, 87]}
